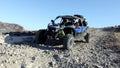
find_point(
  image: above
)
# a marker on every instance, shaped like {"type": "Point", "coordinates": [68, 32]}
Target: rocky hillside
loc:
{"type": "Point", "coordinates": [10, 27]}
{"type": "Point", "coordinates": [103, 51]}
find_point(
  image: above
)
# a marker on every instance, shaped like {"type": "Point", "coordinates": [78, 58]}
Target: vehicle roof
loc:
{"type": "Point", "coordinates": [66, 16]}
{"type": "Point", "coordinates": [71, 17]}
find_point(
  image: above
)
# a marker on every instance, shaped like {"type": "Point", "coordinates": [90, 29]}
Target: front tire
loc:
{"type": "Point", "coordinates": [41, 37]}
{"type": "Point", "coordinates": [68, 41]}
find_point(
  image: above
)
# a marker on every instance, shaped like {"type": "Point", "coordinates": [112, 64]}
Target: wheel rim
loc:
{"type": "Point", "coordinates": [70, 43]}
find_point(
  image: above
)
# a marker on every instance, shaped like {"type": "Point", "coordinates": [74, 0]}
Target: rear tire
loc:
{"type": "Point", "coordinates": [87, 38]}
{"type": "Point", "coordinates": [41, 37]}
{"type": "Point", "coordinates": [68, 41]}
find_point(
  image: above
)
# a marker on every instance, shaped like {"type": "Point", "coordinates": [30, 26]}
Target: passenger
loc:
{"type": "Point", "coordinates": [63, 22]}
{"type": "Point", "coordinates": [79, 28]}
{"type": "Point", "coordinates": [77, 25]}
{"type": "Point", "coordinates": [71, 21]}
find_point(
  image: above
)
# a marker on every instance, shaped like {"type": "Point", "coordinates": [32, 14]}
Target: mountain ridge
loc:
{"type": "Point", "coordinates": [10, 27]}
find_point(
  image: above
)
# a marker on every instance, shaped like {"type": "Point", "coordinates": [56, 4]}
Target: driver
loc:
{"type": "Point", "coordinates": [52, 26]}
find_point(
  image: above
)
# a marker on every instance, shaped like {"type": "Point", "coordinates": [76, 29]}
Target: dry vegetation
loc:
{"type": "Point", "coordinates": [117, 36]}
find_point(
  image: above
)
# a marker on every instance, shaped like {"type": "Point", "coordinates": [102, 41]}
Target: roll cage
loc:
{"type": "Point", "coordinates": [68, 18]}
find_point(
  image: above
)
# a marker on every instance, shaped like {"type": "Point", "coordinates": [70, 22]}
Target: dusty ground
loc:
{"type": "Point", "coordinates": [102, 52]}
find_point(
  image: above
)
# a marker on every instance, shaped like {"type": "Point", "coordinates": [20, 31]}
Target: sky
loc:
{"type": "Point", "coordinates": [36, 14]}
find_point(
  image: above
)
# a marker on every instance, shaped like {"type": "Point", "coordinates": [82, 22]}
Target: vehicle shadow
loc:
{"type": "Point", "coordinates": [29, 41]}
{"type": "Point", "coordinates": [46, 47]}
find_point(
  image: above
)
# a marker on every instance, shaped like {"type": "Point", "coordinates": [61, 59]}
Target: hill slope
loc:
{"type": "Point", "coordinates": [101, 52]}
{"type": "Point", "coordinates": [10, 27]}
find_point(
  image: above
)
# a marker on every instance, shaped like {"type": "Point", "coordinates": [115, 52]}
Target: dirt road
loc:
{"type": "Point", "coordinates": [100, 52]}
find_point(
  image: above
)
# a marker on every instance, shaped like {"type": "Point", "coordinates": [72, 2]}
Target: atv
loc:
{"type": "Point", "coordinates": [66, 29]}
